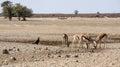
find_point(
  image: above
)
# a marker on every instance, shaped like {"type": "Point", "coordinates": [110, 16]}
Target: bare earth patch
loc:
{"type": "Point", "coordinates": [17, 38]}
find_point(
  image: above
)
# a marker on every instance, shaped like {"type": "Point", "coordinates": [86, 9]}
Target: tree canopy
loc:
{"type": "Point", "coordinates": [17, 10]}
{"type": "Point", "coordinates": [7, 9]}
{"type": "Point", "coordinates": [76, 12]}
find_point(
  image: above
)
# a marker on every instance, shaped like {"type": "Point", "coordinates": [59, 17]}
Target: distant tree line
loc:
{"type": "Point", "coordinates": [9, 10]}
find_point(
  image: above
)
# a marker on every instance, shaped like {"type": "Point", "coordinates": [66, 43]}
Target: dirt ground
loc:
{"type": "Point", "coordinates": [30, 55]}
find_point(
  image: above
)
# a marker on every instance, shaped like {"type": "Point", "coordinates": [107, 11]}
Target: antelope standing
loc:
{"type": "Point", "coordinates": [77, 39]}
{"type": "Point", "coordinates": [83, 38]}
{"type": "Point", "coordinates": [88, 40]}
{"type": "Point", "coordinates": [101, 37]}
{"type": "Point", "coordinates": [65, 39]}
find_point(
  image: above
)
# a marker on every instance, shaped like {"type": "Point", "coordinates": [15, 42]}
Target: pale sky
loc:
{"type": "Point", "coordinates": [68, 6]}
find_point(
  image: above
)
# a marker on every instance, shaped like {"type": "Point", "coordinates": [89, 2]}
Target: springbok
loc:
{"type": "Point", "coordinates": [83, 38]}
{"type": "Point", "coordinates": [88, 40]}
{"type": "Point", "coordinates": [101, 37]}
{"type": "Point", "coordinates": [65, 39]}
{"type": "Point", "coordinates": [77, 39]}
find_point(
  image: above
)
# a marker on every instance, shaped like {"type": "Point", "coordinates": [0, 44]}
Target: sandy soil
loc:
{"type": "Point", "coordinates": [29, 55]}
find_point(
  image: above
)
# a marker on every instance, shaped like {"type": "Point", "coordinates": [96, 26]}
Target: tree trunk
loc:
{"type": "Point", "coordinates": [24, 18]}
{"type": "Point", "coordinates": [10, 18]}
{"type": "Point", "coordinates": [19, 18]}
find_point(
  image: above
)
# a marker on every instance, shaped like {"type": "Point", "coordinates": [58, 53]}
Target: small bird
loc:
{"type": "Point", "coordinates": [37, 41]}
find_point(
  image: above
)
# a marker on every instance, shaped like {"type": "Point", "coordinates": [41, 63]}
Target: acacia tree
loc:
{"type": "Point", "coordinates": [7, 9]}
{"type": "Point", "coordinates": [17, 10]}
{"type": "Point", "coordinates": [22, 11]}
{"type": "Point", "coordinates": [76, 12]}
{"type": "Point", "coordinates": [98, 14]}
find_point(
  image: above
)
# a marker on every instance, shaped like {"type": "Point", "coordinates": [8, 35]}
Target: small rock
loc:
{"type": "Point", "coordinates": [94, 60]}
{"type": "Point", "coordinates": [18, 49]}
{"type": "Point", "coordinates": [32, 57]}
{"type": "Point", "coordinates": [58, 52]}
{"type": "Point", "coordinates": [76, 56]}
{"type": "Point", "coordinates": [40, 48]}
{"type": "Point", "coordinates": [5, 62]}
{"type": "Point", "coordinates": [78, 50]}
{"type": "Point", "coordinates": [34, 47]}
{"type": "Point", "coordinates": [10, 49]}
{"type": "Point", "coordinates": [67, 56]}
{"type": "Point", "coordinates": [113, 63]}
{"type": "Point", "coordinates": [49, 54]}
{"type": "Point", "coordinates": [52, 56]}
{"type": "Point", "coordinates": [42, 60]}
{"type": "Point", "coordinates": [14, 47]}
{"type": "Point", "coordinates": [23, 59]}
{"type": "Point", "coordinates": [33, 51]}
{"type": "Point", "coordinates": [91, 51]}
{"type": "Point", "coordinates": [46, 48]}
{"type": "Point", "coordinates": [5, 51]}
{"type": "Point", "coordinates": [12, 58]}
{"type": "Point", "coordinates": [36, 59]}
{"type": "Point", "coordinates": [77, 61]}
{"type": "Point", "coordinates": [59, 55]}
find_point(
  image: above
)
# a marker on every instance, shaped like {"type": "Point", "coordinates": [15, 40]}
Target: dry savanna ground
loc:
{"type": "Point", "coordinates": [17, 37]}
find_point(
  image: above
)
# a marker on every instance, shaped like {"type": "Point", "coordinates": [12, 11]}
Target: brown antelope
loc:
{"type": "Point", "coordinates": [77, 39]}
{"type": "Point", "coordinates": [83, 38]}
{"type": "Point", "coordinates": [88, 40]}
{"type": "Point", "coordinates": [101, 37]}
{"type": "Point", "coordinates": [65, 39]}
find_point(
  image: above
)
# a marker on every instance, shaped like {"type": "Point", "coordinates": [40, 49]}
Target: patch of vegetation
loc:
{"type": "Point", "coordinates": [17, 10]}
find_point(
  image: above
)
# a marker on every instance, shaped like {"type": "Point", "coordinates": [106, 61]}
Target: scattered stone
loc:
{"type": "Point", "coordinates": [46, 48]}
{"type": "Point", "coordinates": [33, 51]}
{"type": "Point", "coordinates": [9, 60]}
{"type": "Point", "coordinates": [36, 59]}
{"type": "Point", "coordinates": [59, 55]}
{"type": "Point", "coordinates": [91, 51]}
{"type": "Point", "coordinates": [10, 49]}
{"type": "Point", "coordinates": [58, 52]}
{"type": "Point", "coordinates": [5, 62]}
{"type": "Point", "coordinates": [40, 48]}
{"type": "Point", "coordinates": [36, 52]}
{"type": "Point", "coordinates": [23, 59]}
{"type": "Point", "coordinates": [67, 56]}
{"type": "Point", "coordinates": [5, 51]}
{"type": "Point", "coordinates": [78, 50]}
{"type": "Point", "coordinates": [18, 49]}
{"type": "Point", "coordinates": [13, 59]}
{"type": "Point", "coordinates": [113, 63]}
{"type": "Point", "coordinates": [76, 56]}
{"type": "Point", "coordinates": [34, 47]}
{"type": "Point", "coordinates": [14, 47]}
{"type": "Point", "coordinates": [42, 60]}
{"type": "Point", "coordinates": [94, 60]}
{"type": "Point", "coordinates": [49, 54]}
{"type": "Point", "coordinates": [32, 57]}
{"type": "Point", "coordinates": [52, 57]}
{"type": "Point", "coordinates": [77, 61]}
